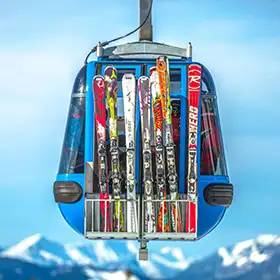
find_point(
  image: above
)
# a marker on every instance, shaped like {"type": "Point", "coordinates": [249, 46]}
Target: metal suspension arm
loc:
{"type": "Point", "coordinates": [146, 31]}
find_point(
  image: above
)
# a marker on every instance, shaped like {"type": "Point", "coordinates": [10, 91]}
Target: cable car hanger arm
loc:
{"type": "Point", "coordinates": [103, 44]}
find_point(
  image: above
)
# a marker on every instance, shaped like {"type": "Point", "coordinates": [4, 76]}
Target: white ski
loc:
{"type": "Point", "coordinates": [145, 103]}
{"type": "Point", "coordinates": [129, 99]}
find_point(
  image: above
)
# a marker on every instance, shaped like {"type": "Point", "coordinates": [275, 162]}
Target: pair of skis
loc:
{"type": "Point", "coordinates": [164, 144]}
{"type": "Point", "coordinates": [158, 87]}
{"type": "Point", "coordinates": [108, 85]}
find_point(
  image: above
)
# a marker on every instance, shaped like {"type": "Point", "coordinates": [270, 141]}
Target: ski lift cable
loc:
{"type": "Point", "coordinates": [103, 44]}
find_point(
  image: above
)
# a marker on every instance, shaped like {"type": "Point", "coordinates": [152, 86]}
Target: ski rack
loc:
{"type": "Point", "coordinates": [92, 201]}
{"type": "Point", "coordinates": [93, 219]}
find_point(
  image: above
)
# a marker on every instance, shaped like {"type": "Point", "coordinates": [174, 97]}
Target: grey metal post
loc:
{"type": "Point", "coordinates": [146, 31]}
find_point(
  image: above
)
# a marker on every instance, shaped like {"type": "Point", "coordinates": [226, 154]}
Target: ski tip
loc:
{"type": "Point", "coordinates": [143, 79]}
{"type": "Point", "coordinates": [128, 76]}
{"type": "Point", "coordinates": [195, 65]}
{"type": "Point", "coordinates": [98, 77]}
{"type": "Point", "coordinates": [110, 67]}
{"type": "Point", "coordinates": [195, 69]}
{"type": "Point", "coordinates": [153, 70]}
{"type": "Point", "coordinates": [162, 57]}
{"type": "Point", "coordinates": [111, 71]}
{"type": "Point", "coordinates": [98, 82]}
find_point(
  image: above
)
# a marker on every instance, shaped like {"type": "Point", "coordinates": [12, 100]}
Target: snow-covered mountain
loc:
{"type": "Point", "coordinates": [45, 259]}
{"type": "Point", "coordinates": [99, 256]}
{"type": "Point", "coordinates": [252, 259]}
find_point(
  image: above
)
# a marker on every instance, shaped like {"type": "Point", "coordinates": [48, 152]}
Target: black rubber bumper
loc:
{"type": "Point", "coordinates": [67, 192]}
{"type": "Point", "coordinates": [219, 194]}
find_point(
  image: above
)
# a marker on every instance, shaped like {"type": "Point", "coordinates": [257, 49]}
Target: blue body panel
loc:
{"type": "Point", "coordinates": [73, 213]}
{"type": "Point", "coordinates": [208, 216]}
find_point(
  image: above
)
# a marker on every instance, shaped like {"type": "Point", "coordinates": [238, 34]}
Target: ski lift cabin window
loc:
{"type": "Point", "coordinates": [72, 156]}
{"type": "Point", "coordinates": [175, 80]}
{"type": "Point", "coordinates": [212, 158]}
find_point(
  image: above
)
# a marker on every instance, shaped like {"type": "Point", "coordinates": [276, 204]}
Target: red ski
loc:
{"type": "Point", "coordinates": [194, 87]}
{"type": "Point", "coordinates": [100, 125]}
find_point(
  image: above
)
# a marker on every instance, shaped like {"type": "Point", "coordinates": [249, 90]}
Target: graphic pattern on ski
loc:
{"type": "Point", "coordinates": [163, 222]}
{"type": "Point", "coordinates": [194, 87]}
{"type": "Point", "coordinates": [162, 65]}
{"type": "Point", "coordinates": [110, 77]}
{"type": "Point", "coordinates": [144, 96]}
{"type": "Point", "coordinates": [100, 124]}
{"type": "Point", "coordinates": [129, 98]}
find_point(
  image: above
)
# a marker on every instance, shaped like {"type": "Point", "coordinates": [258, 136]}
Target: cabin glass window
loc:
{"type": "Point", "coordinates": [212, 159]}
{"type": "Point", "coordinates": [175, 80]}
{"type": "Point", "coordinates": [72, 156]}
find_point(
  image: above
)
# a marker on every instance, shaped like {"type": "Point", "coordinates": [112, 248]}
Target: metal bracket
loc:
{"type": "Point", "coordinates": [144, 50]}
{"type": "Point", "coordinates": [146, 31]}
{"type": "Point", "coordinates": [143, 251]}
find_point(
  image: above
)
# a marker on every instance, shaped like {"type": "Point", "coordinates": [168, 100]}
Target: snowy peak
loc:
{"type": "Point", "coordinates": [172, 258]}
{"type": "Point", "coordinates": [249, 251]}
{"type": "Point", "coordinates": [111, 258]}
{"type": "Point", "coordinates": [22, 248]}
{"type": "Point", "coordinates": [98, 253]}
{"type": "Point", "coordinates": [101, 255]}
{"type": "Point", "coordinates": [37, 249]}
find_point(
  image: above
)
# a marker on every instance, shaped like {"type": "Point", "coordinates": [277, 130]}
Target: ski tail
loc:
{"type": "Point", "coordinates": [100, 124]}
{"type": "Point", "coordinates": [194, 90]}
{"type": "Point", "coordinates": [110, 77]}
{"type": "Point", "coordinates": [129, 97]}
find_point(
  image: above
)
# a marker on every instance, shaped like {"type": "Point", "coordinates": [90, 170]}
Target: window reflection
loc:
{"type": "Point", "coordinates": [175, 80]}
{"type": "Point", "coordinates": [212, 157]}
{"type": "Point", "coordinates": [72, 156]}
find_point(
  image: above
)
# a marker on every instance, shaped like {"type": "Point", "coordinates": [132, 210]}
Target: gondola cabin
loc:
{"type": "Point", "coordinates": [193, 135]}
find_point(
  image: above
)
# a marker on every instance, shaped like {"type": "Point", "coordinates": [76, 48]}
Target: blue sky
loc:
{"type": "Point", "coordinates": [43, 45]}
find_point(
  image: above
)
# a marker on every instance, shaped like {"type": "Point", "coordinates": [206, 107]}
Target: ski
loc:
{"type": "Point", "coordinates": [163, 222]}
{"type": "Point", "coordinates": [129, 99]}
{"type": "Point", "coordinates": [110, 77]}
{"type": "Point", "coordinates": [194, 86]}
{"type": "Point", "coordinates": [100, 124]}
{"type": "Point", "coordinates": [162, 65]}
{"type": "Point", "coordinates": [144, 97]}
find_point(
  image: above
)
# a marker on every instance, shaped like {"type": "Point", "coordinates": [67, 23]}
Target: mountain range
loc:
{"type": "Point", "coordinates": [37, 257]}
